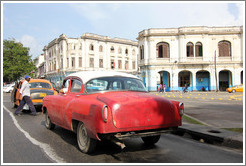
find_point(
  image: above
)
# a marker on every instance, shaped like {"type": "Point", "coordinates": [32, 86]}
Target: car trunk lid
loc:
{"type": "Point", "coordinates": [137, 109]}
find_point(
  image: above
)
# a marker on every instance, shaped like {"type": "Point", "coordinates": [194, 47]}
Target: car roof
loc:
{"type": "Point", "coordinates": [39, 80]}
{"type": "Point", "coordinates": [85, 76]}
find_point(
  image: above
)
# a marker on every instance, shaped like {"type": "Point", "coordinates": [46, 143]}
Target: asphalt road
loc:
{"type": "Point", "coordinates": [26, 140]}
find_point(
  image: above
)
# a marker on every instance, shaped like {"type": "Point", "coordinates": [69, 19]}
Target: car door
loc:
{"type": "Point", "coordinates": [72, 102]}
{"type": "Point", "coordinates": [58, 105]}
{"type": "Point", "coordinates": [240, 88]}
{"type": "Point", "coordinates": [13, 93]}
{"type": "Point", "coordinates": [18, 96]}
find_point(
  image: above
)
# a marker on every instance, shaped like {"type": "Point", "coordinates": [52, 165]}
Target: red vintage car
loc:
{"type": "Point", "coordinates": [110, 105]}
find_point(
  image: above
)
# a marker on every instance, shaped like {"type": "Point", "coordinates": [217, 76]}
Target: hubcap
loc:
{"type": "Point", "coordinates": [83, 138]}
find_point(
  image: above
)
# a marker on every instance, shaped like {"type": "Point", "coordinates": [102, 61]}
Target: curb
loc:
{"type": "Point", "coordinates": [197, 120]}
{"type": "Point", "coordinates": [213, 135]}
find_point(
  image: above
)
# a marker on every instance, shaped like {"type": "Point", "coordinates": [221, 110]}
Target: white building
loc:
{"type": "Point", "coordinates": [186, 55]}
{"type": "Point", "coordinates": [90, 52]}
{"type": "Point", "coordinates": [40, 64]}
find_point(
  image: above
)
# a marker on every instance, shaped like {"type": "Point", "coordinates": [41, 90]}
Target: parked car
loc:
{"type": "Point", "coordinates": [39, 88]}
{"type": "Point", "coordinates": [237, 88]}
{"type": "Point", "coordinates": [120, 108]}
{"type": "Point", "coordinates": [8, 88]}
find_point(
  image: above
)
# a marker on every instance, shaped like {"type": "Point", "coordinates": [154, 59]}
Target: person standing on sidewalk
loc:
{"type": "Point", "coordinates": [185, 88]}
{"type": "Point", "coordinates": [25, 92]}
{"type": "Point", "coordinates": [160, 88]}
{"type": "Point", "coordinates": [164, 88]}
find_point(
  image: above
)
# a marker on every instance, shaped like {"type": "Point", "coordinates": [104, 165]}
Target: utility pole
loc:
{"type": "Point", "coordinates": [215, 71]}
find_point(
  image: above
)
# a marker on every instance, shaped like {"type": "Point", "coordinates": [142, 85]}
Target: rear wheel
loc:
{"type": "Point", "coordinates": [85, 143]}
{"type": "Point", "coordinates": [48, 123]}
{"type": "Point", "coordinates": [151, 140]}
{"type": "Point", "coordinates": [233, 91]}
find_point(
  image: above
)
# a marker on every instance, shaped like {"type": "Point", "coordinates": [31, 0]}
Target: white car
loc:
{"type": "Point", "coordinates": [8, 88]}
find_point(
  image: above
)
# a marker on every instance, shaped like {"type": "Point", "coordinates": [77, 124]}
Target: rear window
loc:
{"type": "Point", "coordinates": [40, 85]}
{"type": "Point", "coordinates": [115, 84]}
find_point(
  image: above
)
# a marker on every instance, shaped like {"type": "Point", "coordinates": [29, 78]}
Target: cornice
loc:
{"type": "Point", "coordinates": [190, 31]}
{"type": "Point", "coordinates": [108, 39]}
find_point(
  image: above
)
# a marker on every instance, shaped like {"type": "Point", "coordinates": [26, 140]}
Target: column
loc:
{"type": "Point", "coordinates": [193, 81]}
{"type": "Point", "coordinates": [174, 81]}
{"type": "Point", "coordinates": [152, 80]}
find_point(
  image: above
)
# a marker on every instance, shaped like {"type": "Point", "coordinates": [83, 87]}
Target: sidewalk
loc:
{"type": "Point", "coordinates": [214, 111]}
{"type": "Point", "coordinates": [206, 95]}
{"type": "Point", "coordinates": [213, 135]}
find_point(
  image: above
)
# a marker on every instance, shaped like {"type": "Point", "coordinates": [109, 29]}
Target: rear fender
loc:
{"type": "Point", "coordinates": [90, 121]}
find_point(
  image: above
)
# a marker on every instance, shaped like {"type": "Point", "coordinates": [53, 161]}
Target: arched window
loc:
{"type": "Point", "coordinates": [126, 51]}
{"type": "Point", "coordinates": [112, 49]}
{"type": "Point", "coordinates": [141, 52]}
{"type": "Point", "coordinates": [91, 47]}
{"type": "Point", "coordinates": [163, 50]}
{"type": "Point", "coordinates": [185, 78]}
{"type": "Point", "coordinates": [100, 48]}
{"type": "Point", "coordinates": [190, 49]}
{"type": "Point", "coordinates": [133, 52]}
{"type": "Point", "coordinates": [198, 49]}
{"type": "Point", "coordinates": [224, 48]}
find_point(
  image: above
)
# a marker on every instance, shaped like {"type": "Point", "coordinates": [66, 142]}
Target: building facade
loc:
{"type": "Point", "coordinates": [40, 64]}
{"type": "Point", "coordinates": [209, 58]}
{"type": "Point", "coordinates": [89, 52]}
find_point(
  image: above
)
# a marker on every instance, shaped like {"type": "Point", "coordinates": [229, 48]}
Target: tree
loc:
{"type": "Point", "coordinates": [16, 61]}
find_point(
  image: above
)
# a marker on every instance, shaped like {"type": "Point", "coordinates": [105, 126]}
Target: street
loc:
{"type": "Point", "coordinates": [26, 140]}
{"type": "Point", "coordinates": [219, 109]}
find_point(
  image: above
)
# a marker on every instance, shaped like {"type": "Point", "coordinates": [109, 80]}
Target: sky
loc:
{"type": "Point", "coordinates": [35, 24]}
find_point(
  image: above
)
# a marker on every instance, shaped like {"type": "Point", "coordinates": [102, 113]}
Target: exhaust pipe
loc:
{"type": "Point", "coordinates": [116, 141]}
{"type": "Point", "coordinates": [119, 143]}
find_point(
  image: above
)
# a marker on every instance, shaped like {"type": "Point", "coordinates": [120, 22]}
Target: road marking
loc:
{"type": "Point", "coordinates": [45, 147]}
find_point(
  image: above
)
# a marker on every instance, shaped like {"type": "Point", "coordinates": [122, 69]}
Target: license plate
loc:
{"type": "Point", "coordinates": [42, 94]}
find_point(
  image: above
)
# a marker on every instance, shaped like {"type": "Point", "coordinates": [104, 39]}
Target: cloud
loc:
{"type": "Point", "coordinates": [241, 13]}
{"type": "Point", "coordinates": [90, 11]}
{"type": "Point", "coordinates": [31, 42]}
{"type": "Point", "coordinates": [134, 17]}
{"type": "Point", "coordinates": [191, 14]}
{"type": "Point", "coordinates": [96, 11]}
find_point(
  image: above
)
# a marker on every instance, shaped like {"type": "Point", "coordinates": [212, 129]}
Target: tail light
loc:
{"type": "Point", "coordinates": [105, 113]}
{"type": "Point", "coordinates": [181, 109]}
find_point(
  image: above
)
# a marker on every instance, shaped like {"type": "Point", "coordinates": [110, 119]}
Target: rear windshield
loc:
{"type": "Point", "coordinates": [40, 85]}
{"type": "Point", "coordinates": [115, 84]}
